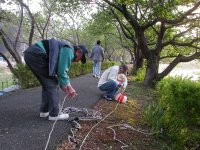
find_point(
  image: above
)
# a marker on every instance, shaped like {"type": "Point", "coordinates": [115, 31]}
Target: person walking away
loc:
{"type": "Point", "coordinates": [108, 81]}
{"type": "Point", "coordinates": [50, 61]}
{"type": "Point", "coordinates": [97, 56]}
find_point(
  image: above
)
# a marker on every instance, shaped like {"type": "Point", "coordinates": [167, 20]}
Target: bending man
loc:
{"type": "Point", "coordinates": [50, 61]}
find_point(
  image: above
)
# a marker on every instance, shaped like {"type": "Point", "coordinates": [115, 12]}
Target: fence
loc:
{"type": "Point", "coordinates": [5, 84]}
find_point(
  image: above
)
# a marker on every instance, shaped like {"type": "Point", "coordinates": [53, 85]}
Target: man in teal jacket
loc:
{"type": "Point", "coordinates": [50, 61]}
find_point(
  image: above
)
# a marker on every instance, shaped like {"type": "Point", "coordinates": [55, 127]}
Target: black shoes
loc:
{"type": "Point", "coordinates": [106, 97]}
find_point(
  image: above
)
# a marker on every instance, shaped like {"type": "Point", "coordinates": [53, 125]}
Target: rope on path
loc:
{"type": "Point", "coordinates": [114, 137]}
{"type": "Point", "coordinates": [111, 127]}
{"type": "Point", "coordinates": [55, 123]}
{"type": "Point", "coordinates": [126, 126]}
{"type": "Point", "coordinates": [90, 115]}
{"type": "Point", "coordinates": [96, 125]}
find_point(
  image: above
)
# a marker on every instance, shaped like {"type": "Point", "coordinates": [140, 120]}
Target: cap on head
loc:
{"type": "Point", "coordinates": [83, 50]}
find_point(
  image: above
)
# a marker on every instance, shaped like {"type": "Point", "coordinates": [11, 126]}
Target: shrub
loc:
{"type": "Point", "coordinates": [177, 112]}
{"type": "Point", "coordinates": [152, 115]}
{"type": "Point", "coordinates": [140, 74]}
{"type": "Point", "coordinates": [25, 77]}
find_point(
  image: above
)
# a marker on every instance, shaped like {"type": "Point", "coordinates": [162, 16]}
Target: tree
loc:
{"type": "Point", "coordinates": [9, 42]}
{"type": "Point", "coordinates": [170, 27]}
{"type": "Point", "coordinates": [103, 26]}
{"type": "Point", "coordinates": [20, 27]}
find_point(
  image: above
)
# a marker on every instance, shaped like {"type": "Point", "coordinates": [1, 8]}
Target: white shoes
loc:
{"type": "Point", "coordinates": [59, 117]}
{"type": "Point", "coordinates": [44, 114]}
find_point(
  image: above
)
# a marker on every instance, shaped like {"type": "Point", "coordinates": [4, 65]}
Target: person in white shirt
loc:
{"type": "Point", "coordinates": [108, 81]}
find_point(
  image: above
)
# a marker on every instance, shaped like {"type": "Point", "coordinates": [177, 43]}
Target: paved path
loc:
{"type": "Point", "coordinates": [20, 125]}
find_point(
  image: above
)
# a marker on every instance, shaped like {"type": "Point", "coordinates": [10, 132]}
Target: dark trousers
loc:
{"type": "Point", "coordinates": [38, 63]}
{"type": "Point", "coordinates": [110, 87]}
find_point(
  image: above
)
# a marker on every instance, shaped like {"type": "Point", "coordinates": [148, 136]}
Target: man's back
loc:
{"type": "Point", "coordinates": [97, 53]}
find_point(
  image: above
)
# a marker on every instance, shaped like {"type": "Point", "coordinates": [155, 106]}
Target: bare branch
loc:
{"type": "Point", "coordinates": [20, 26]}
{"type": "Point", "coordinates": [169, 56]}
{"type": "Point", "coordinates": [173, 21]}
{"type": "Point", "coordinates": [177, 60]}
{"type": "Point", "coordinates": [32, 21]}
{"type": "Point", "coordinates": [14, 54]}
{"type": "Point", "coordinates": [184, 15]}
{"type": "Point", "coordinates": [123, 27]}
{"type": "Point", "coordinates": [160, 37]}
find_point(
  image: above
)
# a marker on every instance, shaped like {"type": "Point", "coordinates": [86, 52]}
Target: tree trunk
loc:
{"type": "Point", "coordinates": [151, 70]}
{"type": "Point", "coordinates": [139, 59]}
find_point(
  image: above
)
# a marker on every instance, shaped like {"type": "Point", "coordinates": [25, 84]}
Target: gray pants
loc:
{"type": "Point", "coordinates": [38, 63]}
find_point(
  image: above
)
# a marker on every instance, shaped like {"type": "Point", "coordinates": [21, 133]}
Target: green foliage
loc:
{"type": "Point", "coordinates": [25, 77]}
{"type": "Point", "coordinates": [103, 26]}
{"type": "Point", "coordinates": [101, 23]}
{"type": "Point", "coordinates": [140, 74]}
{"type": "Point", "coordinates": [182, 95]}
{"type": "Point", "coordinates": [152, 115]}
{"type": "Point", "coordinates": [177, 112]}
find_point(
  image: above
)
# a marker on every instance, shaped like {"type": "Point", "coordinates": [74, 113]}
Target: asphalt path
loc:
{"type": "Point", "coordinates": [21, 128]}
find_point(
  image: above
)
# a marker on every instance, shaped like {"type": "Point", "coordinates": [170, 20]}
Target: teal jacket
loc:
{"type": "Point", "coordinates": [61, 55]}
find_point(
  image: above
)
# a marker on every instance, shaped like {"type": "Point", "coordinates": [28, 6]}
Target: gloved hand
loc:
{"type": "Point", "coordinates": [69, 90]}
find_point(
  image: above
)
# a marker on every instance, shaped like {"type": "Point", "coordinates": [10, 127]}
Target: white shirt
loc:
{"type": "Point", "coordinates": [110, 74]}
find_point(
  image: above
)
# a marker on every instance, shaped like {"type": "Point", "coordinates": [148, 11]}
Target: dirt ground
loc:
{"type": "Point", "coordinates": [120, 128]}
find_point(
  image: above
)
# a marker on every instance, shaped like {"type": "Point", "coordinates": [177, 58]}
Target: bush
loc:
{"type": "Point", "coordinates": [152, 114]}
{"type": "Point", "coordinates": [177, 112]}
{"type": "Point", "coordinates": [25, 77]}
{"type": "Point", "coordinates": [140, 74]}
